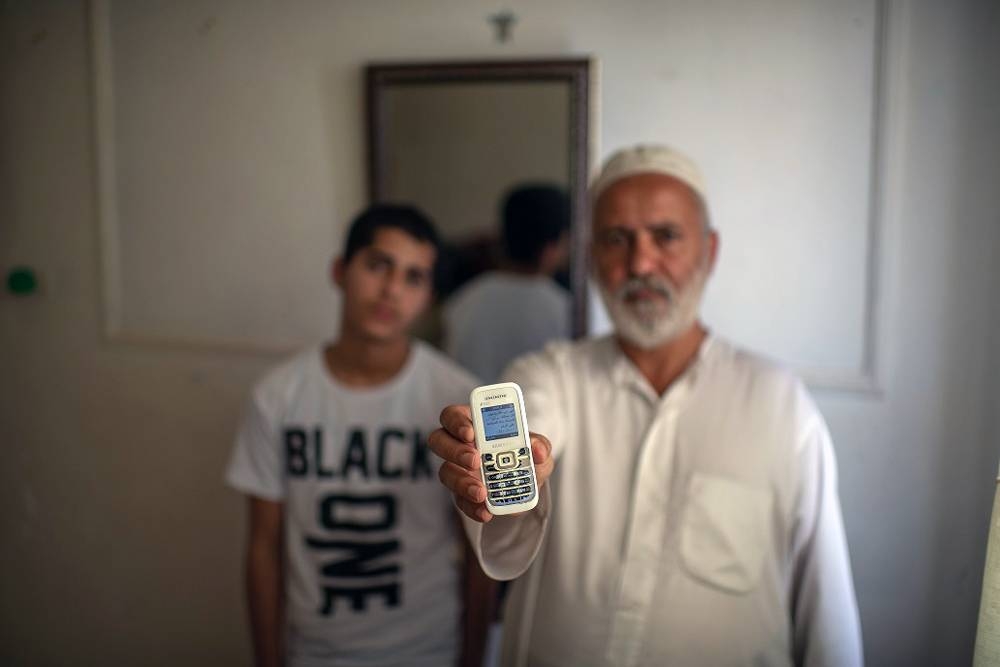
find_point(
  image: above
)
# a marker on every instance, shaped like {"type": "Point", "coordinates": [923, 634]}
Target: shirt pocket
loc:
{"type": "Point", "coordinates": [724, 535]}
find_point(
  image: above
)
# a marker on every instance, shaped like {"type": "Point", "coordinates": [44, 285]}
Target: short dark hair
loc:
{"type": "Point", "coordinates": [534, 216]}
{"type": "Point", "coordinates": [407, 218]}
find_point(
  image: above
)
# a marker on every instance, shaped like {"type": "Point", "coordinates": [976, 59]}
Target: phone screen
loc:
{"type": "Point", "coordinates": [500, 421]}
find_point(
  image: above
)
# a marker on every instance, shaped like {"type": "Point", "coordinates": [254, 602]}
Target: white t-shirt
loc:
{"type": "Point", "coordinates": [500, 316]}
{"type": "Point", "coordinates": [700, 527]}
{"type": "Point", "coordinates": [371, 576]}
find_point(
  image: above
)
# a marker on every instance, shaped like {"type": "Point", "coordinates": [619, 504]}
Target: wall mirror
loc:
{"type": "Point", "coordinates": [454, 137]}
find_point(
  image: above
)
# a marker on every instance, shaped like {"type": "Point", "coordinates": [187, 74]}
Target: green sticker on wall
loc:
{"type": "Point", "coordinates": [21, 281]}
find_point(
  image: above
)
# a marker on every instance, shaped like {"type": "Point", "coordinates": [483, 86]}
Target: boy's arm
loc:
{"type": "Point", "coordinates": [480, 597]}
{"type": "Point", "coordinates": [264, 581]}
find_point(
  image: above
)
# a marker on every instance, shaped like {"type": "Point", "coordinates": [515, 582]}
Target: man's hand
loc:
{"type": "Point", "coordinates": [455, 443]}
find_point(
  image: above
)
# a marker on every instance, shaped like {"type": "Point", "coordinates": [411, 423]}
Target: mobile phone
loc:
{"type": "Point", "coordinates": [501, 426]}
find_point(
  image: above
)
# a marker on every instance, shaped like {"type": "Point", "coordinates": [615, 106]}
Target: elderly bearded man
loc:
{"type": "Point", "coordinates": [692, 516]}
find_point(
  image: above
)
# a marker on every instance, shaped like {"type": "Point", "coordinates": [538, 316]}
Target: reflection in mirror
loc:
{"type": "Point", "coordinates": [456, 148]}
{"type": "Point", "coordinates": [456, 138]}
{"type": "Point", "coordinates": [504, 313]}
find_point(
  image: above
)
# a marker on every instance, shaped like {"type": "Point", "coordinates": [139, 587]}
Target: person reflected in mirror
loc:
{"type": "Point", "coordinates": [354, 550]}
{"type": "Point", "coordinates": [504, 313]}
{"type": "Point", "coordinates": [691, 514]}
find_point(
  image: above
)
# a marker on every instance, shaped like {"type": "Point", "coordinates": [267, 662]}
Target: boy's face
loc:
{"type": "Point", "coordinates": [386, 285]}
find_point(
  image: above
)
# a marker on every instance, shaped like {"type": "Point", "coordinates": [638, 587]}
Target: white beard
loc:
{"type": "Point", "coordinates": [651, 323]}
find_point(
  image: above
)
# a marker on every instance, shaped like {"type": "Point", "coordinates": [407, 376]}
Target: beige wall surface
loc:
{"type": "Point", "coordinates": [122, 546]}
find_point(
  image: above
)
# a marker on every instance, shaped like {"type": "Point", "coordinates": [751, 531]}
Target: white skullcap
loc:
{"type": "Point", "coordinates": [648, 159]}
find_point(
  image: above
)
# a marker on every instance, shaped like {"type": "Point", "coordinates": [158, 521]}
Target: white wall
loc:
{"type": "Point", "coordinates": [918, 463]}
{"type": "Point", "coordinates": [215, 109]}
{"type": "Point", "coordinates": [121, 544]}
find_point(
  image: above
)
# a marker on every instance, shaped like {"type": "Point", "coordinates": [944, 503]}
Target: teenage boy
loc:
{"type": "Point", "coordinates": [354, 556]}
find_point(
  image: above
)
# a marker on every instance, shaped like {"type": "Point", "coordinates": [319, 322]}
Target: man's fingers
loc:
{"type": "Point", "coordinates": [442, 443]}
{"type": "Point", "coordinates": [463, 483]}
{"type": "Point", "coordinates": [455, 443]}
{"type": "Point", "coordinates": [541, 448]}
{"type": "Point", "coordinates": [457, 420]}
{"type": "Point", "coordinates": [470, 495]}
{"type": "Point", "coordinates": [541, 454]}
{"type": "Point", "coordinates": [475, 511]}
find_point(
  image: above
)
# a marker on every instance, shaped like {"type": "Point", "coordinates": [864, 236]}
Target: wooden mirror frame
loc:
{"type": "Point", "coordinates": [575, 72]}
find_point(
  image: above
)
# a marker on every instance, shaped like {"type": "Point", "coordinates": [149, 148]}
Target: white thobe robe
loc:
{"type": "Point", "coordinates": [700, 527]}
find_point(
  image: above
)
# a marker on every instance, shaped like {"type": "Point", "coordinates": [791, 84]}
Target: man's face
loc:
{"type": "Point", "coordinates": [652, 257]}
{"type": "Point", "coordinates": [386, 285]}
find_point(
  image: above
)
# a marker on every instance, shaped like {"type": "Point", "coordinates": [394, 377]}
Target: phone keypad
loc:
{"type": "Point", "coordinates": [508, 477]}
